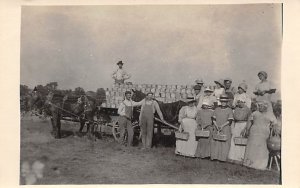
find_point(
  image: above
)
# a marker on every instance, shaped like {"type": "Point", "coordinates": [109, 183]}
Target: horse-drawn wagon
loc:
{"type": "Point", "coordinates": [101, 115]}
{"type": "Point", "coordinates": [169, 98]}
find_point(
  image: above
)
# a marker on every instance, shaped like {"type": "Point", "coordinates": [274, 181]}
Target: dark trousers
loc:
{"type": "Point", "coordinates": [125, 125]}
{"type": "Point", "coordinates": [147, 122]}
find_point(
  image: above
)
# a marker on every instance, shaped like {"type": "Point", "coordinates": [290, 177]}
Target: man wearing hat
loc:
{"type": "Point", "coordinates": [198, 93]}
{"type": "Point", "coordinates": [125, 111]}
{"type": "Point", "coordinates": [208, 96]}
{"type": "Point", "coordinates": [219, 90]}
{"type": "Point", "coordinates": [199, 82]}
{"type": "Point", "coordinates": [120, 75]}
{"type": "Point", "coordinates": [229, 90]}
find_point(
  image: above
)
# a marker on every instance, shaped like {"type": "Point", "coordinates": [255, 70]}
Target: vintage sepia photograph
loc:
{"type": "Point", "coordinates": [151, 94]}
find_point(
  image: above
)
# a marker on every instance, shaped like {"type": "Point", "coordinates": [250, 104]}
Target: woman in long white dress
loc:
{"type": "Point", "coordinates": [258, 129]}
{"type": "Point", "coordinates": [187, 120]}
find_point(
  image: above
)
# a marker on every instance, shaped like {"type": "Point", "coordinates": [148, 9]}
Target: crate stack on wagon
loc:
{"type": "Point", "coordinates": [164, 93]}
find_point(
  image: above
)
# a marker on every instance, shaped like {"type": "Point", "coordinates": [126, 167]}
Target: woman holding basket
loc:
{"type": "Point", "coordinates": [241, 115]}
{"type": "Point", "coordinates": [204, 121]}
{"type": "Point", "coordinates": [188, 124]}
{"type": "Point", "coordinates": [222, 119]}
{"type": "Point", "coordinates": [258, 129]}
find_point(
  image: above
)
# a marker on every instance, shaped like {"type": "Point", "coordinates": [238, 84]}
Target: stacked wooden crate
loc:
{"type": "Point", "coordinates": [164, 93]}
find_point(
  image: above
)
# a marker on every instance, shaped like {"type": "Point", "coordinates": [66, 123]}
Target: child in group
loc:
{"type": "Point", "coordinates": [241, 115]}
{"type": "Point", "coordinates": [222, 119]}
{"type": "Point", "coordinates": [204, 121]}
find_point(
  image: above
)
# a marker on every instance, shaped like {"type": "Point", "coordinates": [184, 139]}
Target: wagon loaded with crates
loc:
{"type": "Point", "coordinates": [166, 94]}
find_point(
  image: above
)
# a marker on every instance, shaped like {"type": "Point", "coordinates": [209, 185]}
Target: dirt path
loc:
{"type": "Point", "coordinates": [75, 160]}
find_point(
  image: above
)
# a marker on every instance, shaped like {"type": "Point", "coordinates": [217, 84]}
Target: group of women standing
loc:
{"type": "Point", "coordinates": [225, 119]}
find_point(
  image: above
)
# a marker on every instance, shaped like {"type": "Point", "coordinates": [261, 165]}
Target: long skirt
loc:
{"type": "Point", "coordinates": [257, 153]}
{"type": "Point", "coordinates": [203, 148]}
{"type": "Point", "coordinates": [237, 152]}
{"type": "Point", "coordinates": [188, 147]}
{"type": "Point", "coordinates": [219, 149]}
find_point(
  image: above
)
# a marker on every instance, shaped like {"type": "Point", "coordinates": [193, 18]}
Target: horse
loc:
{"type": "Point", "coordinates": [79, 108]}
{"type": "Point", "coordinates": [35, 102]}
{"type": "Point", "coordinates": [170, 111]}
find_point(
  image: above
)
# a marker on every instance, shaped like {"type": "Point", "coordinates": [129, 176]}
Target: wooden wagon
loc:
{"type": "Point", "coordinates": [111, 123]}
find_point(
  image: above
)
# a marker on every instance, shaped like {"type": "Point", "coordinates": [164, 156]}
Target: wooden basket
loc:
{"type": "Point", "coordinates": [220, 137]}
{"type": "Point", "coordinates": [241, 141]}
{"type": "Point", "coordinates": [202, 133]}
{"type": "Point", "coordinates": [182, 135]}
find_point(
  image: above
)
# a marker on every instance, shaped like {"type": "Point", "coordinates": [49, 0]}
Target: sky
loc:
{"type": "Point", "coordinates": [159, 44]}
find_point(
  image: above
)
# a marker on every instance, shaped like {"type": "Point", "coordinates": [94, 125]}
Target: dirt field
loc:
{"type": "Point", "coordinates": [76, 160]}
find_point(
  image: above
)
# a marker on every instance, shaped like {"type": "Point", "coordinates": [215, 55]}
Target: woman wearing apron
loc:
{"type": "Point", "coordinates": [187, 120]}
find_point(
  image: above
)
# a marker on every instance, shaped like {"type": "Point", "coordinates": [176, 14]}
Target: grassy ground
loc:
{"type": "Point", "coordinates": [76, 160]}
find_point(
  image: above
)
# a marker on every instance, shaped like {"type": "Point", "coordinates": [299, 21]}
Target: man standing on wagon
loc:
{"type": "Point", "coordinates": [120, 75]}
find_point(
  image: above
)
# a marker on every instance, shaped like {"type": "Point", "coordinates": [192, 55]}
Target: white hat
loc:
{"type": "Point", "coordinates": [206, 102]}
{"type": "Point", "coordinates": [209, 88]}
{"type": "Point", "coordinates": [199, 81]}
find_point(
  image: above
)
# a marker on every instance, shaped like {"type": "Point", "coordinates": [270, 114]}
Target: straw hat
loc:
{"type": "Point", "coordinates": [263, 102]}
{"type": "Point", "coordinates": [189, 100]}
{"type": "Point", "coordinates": [263, 73]}
{"type": "Point", "coordinates": [227, 80]}
{"type": "Point", "coordinates": [209, 89]}
{"type": "Point", "coordinates": [206, 102]}
{"type": "Point", "coordinates": [242, 99]}
{"type": "Point", "coordinates": [224, 98]}
{"type": "Point", "coordinates": [199, 81]}
{"type": "Point", "coordinates": [221, 82]}
{"type": "Point", "coordinates": [120, 62]}
{"type": "Point", "coordinates": [197, 87]}
{"type": "Point", "coordinates": [243, 86]}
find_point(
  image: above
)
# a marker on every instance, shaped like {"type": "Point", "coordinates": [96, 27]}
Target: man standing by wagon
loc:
{"type": "Point", "coordinates": [120, 75]}
{"type": "Point", "coordinates": [149, 107]}
{"type": "Point", "coordinates": [125, 111]}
